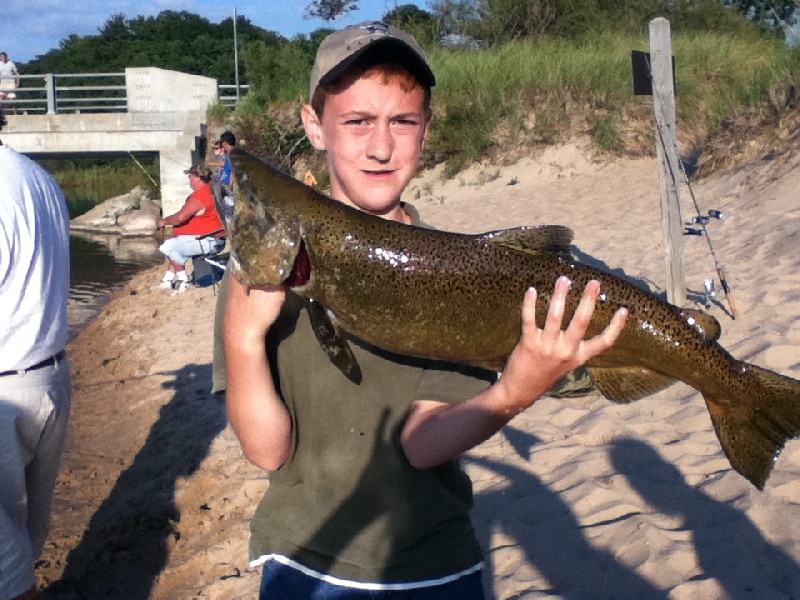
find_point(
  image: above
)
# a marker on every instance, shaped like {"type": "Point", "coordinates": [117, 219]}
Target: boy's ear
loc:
{"type": "Point", "coordinates": [427, 130]}
{"type": "Point", "coordinates": [313, 127]}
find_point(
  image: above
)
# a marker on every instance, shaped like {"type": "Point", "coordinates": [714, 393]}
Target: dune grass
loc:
{"type": "Point", "coordinates": [538, 91]}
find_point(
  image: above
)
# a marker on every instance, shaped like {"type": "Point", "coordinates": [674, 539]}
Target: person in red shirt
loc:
{"type": "Point", "coordinates": [197, 230]}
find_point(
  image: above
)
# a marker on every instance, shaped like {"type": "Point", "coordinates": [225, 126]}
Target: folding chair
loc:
{"type": "Point", "coordinates": [207, 269]}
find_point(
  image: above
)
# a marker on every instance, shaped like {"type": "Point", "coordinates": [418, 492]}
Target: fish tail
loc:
{"type": "Point", "coordinates": [753, 434]}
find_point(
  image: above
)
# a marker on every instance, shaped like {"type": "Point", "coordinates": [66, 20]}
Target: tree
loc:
{"type": "Point", "coordinates": [419, 23]}
{"type": "Point", "coordinates": [329, 10]}
{"type": "Point", "coordinates": [771, 12]}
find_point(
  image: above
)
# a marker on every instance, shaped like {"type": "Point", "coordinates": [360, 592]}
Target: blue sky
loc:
{"type": "Point", "coordinates": [32, 27]}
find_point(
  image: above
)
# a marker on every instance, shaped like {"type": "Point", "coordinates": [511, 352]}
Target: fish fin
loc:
{"type": "Point", "coordinates": [752, 436]}
{"type": "Point", "coordinates": [704, 323]}
{"type": "Point", "coordinates": [626, 384]}
{"type": "Point", "coordinates": [332, 342]}
{"type": "Point", "coordinates": [550, 239]}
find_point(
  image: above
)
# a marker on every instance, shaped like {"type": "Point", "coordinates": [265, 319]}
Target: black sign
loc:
{"type": "Point", "coordinates": [642, 75]}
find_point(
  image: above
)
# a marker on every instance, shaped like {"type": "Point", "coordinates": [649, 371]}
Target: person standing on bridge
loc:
{"type": "Point", "coordinates": [35, 381]}
{"type": "Point", "coordinates": [9, 79]}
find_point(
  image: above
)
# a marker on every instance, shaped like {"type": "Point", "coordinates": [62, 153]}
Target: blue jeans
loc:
{"type": "Point", "coordinates": [181, 248]}
{"type": "Point", "coordinates": [280, 582]}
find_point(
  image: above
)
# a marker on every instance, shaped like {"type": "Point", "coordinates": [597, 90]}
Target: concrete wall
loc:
{"type": "Point", "coordinates": [166, 114]}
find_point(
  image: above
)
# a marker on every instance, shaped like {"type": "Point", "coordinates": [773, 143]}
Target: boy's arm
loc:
{"type": "Point", "coordinates": [436, 432]}
{"type": "Point", "coordinates": [256, 411]}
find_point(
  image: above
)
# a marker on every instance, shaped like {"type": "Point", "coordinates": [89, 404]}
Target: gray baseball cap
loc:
{"type": "Point", "coordinates": [342, 48]}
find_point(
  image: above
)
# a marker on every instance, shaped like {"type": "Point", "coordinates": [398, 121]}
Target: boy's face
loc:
{"type": "Point", "coordinates": [373, 132]}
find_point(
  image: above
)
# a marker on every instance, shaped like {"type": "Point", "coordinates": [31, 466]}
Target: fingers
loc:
{"type": "Point", "coordinates": [606, 338]}
{"type": "Point", "coordinates": [555, 312]}
{"type": "Point", "coordinates": [572, 336]}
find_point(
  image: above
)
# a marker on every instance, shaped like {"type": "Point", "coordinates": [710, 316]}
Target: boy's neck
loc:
{"type": "Point", "coordinates": [396, 213]}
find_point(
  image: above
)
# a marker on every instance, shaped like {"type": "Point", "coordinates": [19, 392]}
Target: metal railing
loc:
{"type": "Point", "coordinates": [231, 94]}
{"type": "Point", "coordinates": [85, 93]}
{"type": "Point", "coordinates": [69, 93]}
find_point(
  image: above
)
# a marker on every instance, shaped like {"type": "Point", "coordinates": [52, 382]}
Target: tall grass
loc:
{"type": "Point", "coordinates": [537, 91]}
{"type": "Point", "coordinates": [85, 186]}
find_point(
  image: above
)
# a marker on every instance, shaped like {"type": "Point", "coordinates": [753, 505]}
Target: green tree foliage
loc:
{"type": "Point", "coordinates": [502, 21]}
{"type": "Point", "coordinates": [419, 23]}
{"type": "Point", "coordinates": [181, 41]}
{"type": "Point", "coordinates": [329, 10]}
{"type": "Point", "coordinates": [278, 71]}
{"type": "Point", "coordinates": [766, 11]}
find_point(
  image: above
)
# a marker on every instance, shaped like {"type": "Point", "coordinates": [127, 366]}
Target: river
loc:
{"type": "Point", "coordinates": [100, 265]}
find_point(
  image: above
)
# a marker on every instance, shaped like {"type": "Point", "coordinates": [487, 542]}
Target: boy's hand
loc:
{"type": "Point", "coordinates": [435, 432]}
{"type": "Point", "coordinates": [543, 356]}
{"type": "Point", "coordinates": [250, 313]}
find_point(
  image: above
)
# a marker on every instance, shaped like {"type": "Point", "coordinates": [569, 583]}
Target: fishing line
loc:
{"type": "Point", "coordinates": [136, 160]}
{"type": "Point", "coordinates": [701, 221]}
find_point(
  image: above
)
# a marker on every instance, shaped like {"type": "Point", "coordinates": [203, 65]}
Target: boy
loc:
{"type": "Point", "coordinates": [367, 498]}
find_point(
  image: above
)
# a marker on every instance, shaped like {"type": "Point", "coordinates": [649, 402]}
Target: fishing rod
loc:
{"type": "Point", "coordinates": [153, 181]}
{"type": "Point", "coordinates": [150, 177]}
{"type": "Point", "coordinates": [700, 220]}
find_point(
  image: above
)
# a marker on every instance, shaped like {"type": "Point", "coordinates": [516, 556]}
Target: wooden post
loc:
{"type": "Point", "coordinates": [667, 154]}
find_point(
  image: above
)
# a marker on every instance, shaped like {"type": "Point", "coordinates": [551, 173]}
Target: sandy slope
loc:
{"type": "Point", "coordinates": [579, 499]}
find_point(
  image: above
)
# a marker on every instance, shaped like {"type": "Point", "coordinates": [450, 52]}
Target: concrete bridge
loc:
{"type": "Point", "coordinates": [165, 114]}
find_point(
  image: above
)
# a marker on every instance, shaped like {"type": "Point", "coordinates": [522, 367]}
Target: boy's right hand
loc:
{"type": "Point", "coordinates": [250, 313]}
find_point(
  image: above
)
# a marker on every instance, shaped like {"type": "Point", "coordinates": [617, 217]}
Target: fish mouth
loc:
{"type": "Point", "coordinates": [301, 269]}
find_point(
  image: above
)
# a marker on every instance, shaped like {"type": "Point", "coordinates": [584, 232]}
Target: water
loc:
{"type": "Point", "coordinates": [100, 265]}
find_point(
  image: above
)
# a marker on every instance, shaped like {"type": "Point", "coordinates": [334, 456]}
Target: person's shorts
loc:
{"type": "Point", "coordinates": [8, 90]}
{"type": "Point", "coordinates": [181, 248]}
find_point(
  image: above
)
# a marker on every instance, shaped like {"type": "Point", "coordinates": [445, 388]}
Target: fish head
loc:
{"type": "Point", "coordinates": [265, 238]}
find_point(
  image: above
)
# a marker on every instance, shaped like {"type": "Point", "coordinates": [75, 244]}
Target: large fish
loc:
{"type": "Point", "coordinates": [456, 297]}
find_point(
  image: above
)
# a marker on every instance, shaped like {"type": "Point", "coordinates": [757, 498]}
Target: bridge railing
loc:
{"type": "Point", "coordinates": [52, 94]}
{"type": "Point", "coordinates": [229, 94]}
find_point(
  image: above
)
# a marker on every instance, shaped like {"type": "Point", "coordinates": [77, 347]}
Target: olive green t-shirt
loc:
{"type": "Point", "coordinates": [347, 502]}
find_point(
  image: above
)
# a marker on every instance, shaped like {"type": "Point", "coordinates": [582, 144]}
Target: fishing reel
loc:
{"type": "Point", "coordinates": [702, 220]}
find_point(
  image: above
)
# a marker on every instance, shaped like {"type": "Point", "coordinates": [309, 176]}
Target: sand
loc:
{"type": "Point", "coordinates": [578, 499]}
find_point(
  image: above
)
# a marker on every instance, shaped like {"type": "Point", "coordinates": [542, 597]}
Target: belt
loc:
{"type": "Point", "coordinates": [47, 362]}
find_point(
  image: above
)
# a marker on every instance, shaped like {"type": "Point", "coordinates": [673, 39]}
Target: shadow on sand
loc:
{"type": "Point", "coordinates": [125, 547]}
{"type": "Point", "coordinates": [730, 549]}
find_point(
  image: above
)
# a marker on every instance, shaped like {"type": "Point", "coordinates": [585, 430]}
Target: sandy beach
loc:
{"type": "Point", "coordinates": [580, 499]}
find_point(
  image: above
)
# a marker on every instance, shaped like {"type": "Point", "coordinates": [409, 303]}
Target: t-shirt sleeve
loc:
{"type": "Point", "coordinates": [452, 383]}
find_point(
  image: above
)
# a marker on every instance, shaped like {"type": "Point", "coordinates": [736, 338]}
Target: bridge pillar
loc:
{"type": "Point", "coordinates": [157, 93]}
{"type": "Point", "coordinates": [174, 182]}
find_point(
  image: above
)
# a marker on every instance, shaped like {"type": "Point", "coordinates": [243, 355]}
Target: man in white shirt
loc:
{"type": "Point", "coordinates": [9, 79]}
{"type": "Point", "coordinates": [35, 385]}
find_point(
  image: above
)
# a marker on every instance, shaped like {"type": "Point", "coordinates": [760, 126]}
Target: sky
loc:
{"type": "Point", "coordinates": [32, 27]}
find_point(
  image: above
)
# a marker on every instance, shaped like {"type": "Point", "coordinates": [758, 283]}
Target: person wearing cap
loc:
{"type": "Point", "coordinates": [197, 230]}
{"type": "Point", "coordinates": [35, 380]}
{"type": "Point", "coordinates": [367, 499]}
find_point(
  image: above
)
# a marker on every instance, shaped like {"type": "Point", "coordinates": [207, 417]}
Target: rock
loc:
{"type": "Point", "coordinates": [134, 213]}
{"type": "Point", "coordinates": [138, 222]}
